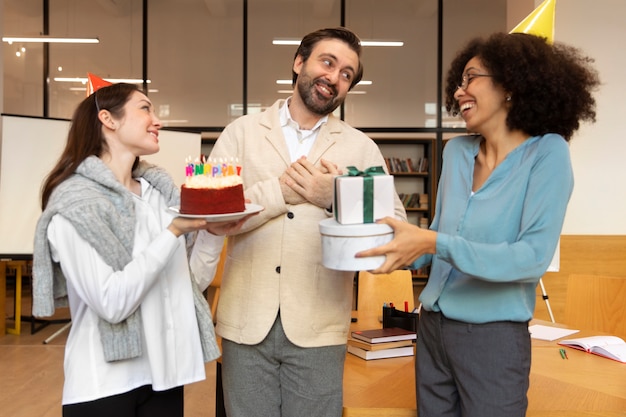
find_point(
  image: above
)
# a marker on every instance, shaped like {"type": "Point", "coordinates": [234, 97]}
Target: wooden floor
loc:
{"type": "Point", "coordinates": [31, 373]}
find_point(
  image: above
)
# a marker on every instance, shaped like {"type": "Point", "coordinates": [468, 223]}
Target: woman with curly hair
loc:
{"type": "Point", "coordinates": [500, 207]}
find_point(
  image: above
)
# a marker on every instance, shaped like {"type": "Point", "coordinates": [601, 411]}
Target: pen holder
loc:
{"type": "Point", "coordinates": [401, 319]}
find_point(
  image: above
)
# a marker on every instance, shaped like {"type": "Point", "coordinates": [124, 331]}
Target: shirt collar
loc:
{"type": "Point", "coordinates": [286, 120]}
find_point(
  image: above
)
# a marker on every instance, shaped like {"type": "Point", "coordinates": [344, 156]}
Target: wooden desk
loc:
{"type": "Point", "coordinates": [583, 385]}
{"type": "Point", "coordinates": [378, 383]}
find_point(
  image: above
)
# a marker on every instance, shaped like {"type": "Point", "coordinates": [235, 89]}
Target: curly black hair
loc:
{"type": "Point", "coordinates": [550, 85]}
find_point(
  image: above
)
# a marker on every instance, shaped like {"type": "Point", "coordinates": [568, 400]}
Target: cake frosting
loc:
{"type": "Point", "coordinates": [206, 181]}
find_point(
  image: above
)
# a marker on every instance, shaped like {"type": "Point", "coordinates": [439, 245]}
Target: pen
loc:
{"type": "Point", "coordinates": [563, 354]}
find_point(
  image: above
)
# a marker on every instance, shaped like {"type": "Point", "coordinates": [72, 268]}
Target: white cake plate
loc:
{"type": "Point", "coordinates": [250, 209]}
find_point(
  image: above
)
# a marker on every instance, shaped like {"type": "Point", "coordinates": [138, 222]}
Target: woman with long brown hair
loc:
{"type": "Point", "coordinates": [106, 246]}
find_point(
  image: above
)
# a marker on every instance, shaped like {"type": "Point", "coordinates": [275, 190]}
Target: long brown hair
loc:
{"type": "Point", "coordinates": [85, 137]}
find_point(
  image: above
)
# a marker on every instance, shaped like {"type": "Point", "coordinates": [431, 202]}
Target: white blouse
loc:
{"type": "Point", "coordinates": [157, 280]}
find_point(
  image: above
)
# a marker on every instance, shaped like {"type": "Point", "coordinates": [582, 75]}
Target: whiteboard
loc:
{"type": "Point", "coordinates": [30, 147]}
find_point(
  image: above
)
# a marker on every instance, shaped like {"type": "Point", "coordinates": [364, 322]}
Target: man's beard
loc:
{"type": "Point", "coordinates": [315, 103]}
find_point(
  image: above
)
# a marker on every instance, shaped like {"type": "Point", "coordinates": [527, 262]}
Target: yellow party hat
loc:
{"type": "Point", "coordinates": [540, 22]}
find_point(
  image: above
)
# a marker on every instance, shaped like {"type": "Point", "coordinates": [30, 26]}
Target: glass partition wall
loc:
{"type": "Point", "coordinates": [207, 62]}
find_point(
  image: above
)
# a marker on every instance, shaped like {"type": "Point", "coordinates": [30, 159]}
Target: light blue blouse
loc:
{"type": "Point", "coordinates": [493, 246]}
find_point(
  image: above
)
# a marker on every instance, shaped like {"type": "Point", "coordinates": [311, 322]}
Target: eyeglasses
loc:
{"type": "Point", "coordinates": [468, 78]}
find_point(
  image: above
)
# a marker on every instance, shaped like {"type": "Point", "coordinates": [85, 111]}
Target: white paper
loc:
{"type": "Point", "coordinates": [538, 331]}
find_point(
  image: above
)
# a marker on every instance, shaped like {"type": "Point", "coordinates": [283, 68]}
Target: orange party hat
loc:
{"type": "Point", "coordinates": [95, 83]}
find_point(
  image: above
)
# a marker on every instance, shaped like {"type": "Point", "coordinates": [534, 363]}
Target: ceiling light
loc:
{"type": "Point", "coordinates": [111, 80]}
{"type": "Point", "coordinates": [349, 92]}
{"type": "Point", "coordinates": [363, 43]}
{"type": "Point", "coordinates": [382, 43]}
{"type": "Point", "coordinates": [49, 39]}
{"type": "Point", "coordinates": [289, 82]}
{"type": "Point", "coordinates": [150, 90]}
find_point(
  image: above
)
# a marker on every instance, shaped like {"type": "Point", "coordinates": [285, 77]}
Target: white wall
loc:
{"type": "Point", "coordinates": [32, 147]}
{"type": "Point", "coordinates": [598, 205]}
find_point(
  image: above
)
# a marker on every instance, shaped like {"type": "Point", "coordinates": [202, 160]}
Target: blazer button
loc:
{"type": "Point", "coordinates": [278, 269]}
{"type": "Point", "coordinates": [290, 215]}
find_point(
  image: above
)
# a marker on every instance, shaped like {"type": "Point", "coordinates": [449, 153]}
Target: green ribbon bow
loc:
{"type": "Point", "coordinates": [368, 189]}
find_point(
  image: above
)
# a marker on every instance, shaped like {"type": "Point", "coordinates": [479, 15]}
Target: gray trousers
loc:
{"type": "Point", "coordinates": [471, 370]}
{"type": "Point", "coordinates": [277, 378]}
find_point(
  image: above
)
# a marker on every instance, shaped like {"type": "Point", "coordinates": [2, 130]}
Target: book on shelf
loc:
{"type": "Point", "coordinates": [389, 334]}
{"type": "Point", "coordinates": [422, 165]}
{"type": "Point", "coordinates": [409, 165]}
{"type": "Point", "coordinates": [399, 165]}
{"type": "Point", "coordinates": [382, 353]}
{"type": "Point", "coordinates": [379, 346]}
{"type": "Point", "coordinates": [410, 200]}
{"type": "Point", "coordinates": [414, 201]}
{"type": "Point", "coordinates": [611, 347]}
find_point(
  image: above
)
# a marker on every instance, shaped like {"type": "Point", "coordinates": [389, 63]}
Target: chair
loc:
{"type": "Point", "coordinates": [375, 290]}
{"type": "Point", "coordinates": [379, 412]}
{"type": "Point", "coordinates": [596, 302]}
{"type": "Point", "coordinates": [213, 292]}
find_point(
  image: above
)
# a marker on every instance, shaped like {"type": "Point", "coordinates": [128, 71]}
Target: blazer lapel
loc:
{"type": "Point", "coordinates": [328, 135]}
{"type": "Point", "coordinates": [276, 138]}
{"type": "Point", "coordinates": [274, 135]}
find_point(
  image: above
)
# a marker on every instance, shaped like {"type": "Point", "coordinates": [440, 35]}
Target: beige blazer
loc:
{"type": "Point", "coordinates": [274, 263]}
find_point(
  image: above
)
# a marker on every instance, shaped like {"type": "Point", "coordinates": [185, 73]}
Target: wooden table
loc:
{"type": "Point", "coordinates": [583, 385]}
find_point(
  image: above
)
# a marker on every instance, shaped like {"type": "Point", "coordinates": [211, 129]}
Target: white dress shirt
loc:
{"type": "Point", "coordinates": [299, 141]}
{"type": "Point", "coordinates": [157, 280]}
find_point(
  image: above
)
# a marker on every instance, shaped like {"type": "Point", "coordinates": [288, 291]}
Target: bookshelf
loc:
{"type": "Point", "coordinates": [410, 159]}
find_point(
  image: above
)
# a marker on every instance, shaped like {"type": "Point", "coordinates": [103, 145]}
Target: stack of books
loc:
{"type": "Point", "coordinates": [382, 343]}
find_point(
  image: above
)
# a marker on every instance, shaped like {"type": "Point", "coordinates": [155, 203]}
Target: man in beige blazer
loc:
{"type": "Point", "coordinates": [283, 317]}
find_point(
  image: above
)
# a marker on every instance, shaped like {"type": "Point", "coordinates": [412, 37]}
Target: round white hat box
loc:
{"type": "Point", "coordinates": [340, 242]}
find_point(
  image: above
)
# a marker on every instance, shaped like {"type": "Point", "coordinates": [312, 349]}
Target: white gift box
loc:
{"type": "Point", "coordinates": [341, 242]}
{"type": "Point", "coordinates": [350, 198]}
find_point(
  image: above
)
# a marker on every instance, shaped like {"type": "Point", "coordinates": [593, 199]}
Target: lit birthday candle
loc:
{"type": "Point", "coordinates": [215, 171]}
{"type": "Point", "coordinates": [188, 167]}
{"type": "Point", "coordinates": [198, 168]}
{"type": "Point", "coordinates": [231, 169]}
{"type": "Point", "coordinates": [206, 165]}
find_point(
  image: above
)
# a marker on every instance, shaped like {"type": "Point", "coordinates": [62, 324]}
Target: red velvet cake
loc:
{"type": "Point", "coordinates": [212, 195]}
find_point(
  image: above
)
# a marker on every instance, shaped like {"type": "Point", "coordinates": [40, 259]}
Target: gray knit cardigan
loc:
{"type": "Point", "coordinates": [102, 211]}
